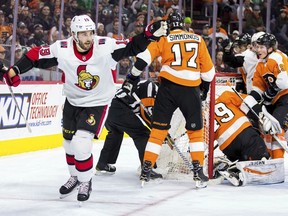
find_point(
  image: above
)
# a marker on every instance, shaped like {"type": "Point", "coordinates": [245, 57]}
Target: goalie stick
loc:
{"type": "Point", "coordinates": [281, 143]}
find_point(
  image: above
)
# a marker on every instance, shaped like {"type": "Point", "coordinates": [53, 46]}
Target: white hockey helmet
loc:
{"type": "Point", "coordinates": [256, 36]}
{"type": "Point", "coordinates": [81, 23]}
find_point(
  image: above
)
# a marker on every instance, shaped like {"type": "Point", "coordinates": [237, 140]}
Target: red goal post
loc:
{"type": "Point", "coordinates": [218, 85]}
{"type": "Point", "coordinates": [169, 162]}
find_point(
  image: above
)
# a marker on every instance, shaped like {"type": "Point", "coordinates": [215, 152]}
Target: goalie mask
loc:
{"type": "Point", "coordinates": [80, 24]}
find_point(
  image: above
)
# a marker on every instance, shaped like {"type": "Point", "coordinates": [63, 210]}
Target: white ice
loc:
{"type": "Point", "coordinates": [29, 186]}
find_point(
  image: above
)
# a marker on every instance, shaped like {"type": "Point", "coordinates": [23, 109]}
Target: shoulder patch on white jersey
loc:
{"type": "Point", "coordinates": [101, 41]}
{"type": "Point", "coordinates": [63, 44]}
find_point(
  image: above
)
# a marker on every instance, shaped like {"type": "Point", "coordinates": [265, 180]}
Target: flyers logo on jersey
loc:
{"type": "Point", "coordinates": [86, 81]}
{"type": "Point", "coordinates": [91, 120]}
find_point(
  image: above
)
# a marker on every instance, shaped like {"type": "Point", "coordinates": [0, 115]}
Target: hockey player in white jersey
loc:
{"type": "Point", "coordinates": [86, 60]}
{"type": "Point", "coordinates": [246, 60]}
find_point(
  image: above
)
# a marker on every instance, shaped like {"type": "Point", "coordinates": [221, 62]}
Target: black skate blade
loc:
{"type": "Point", "coordinates": [63, 196]}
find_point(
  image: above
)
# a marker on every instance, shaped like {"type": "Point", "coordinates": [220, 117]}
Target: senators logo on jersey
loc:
{"type": "Point", "coordinates": [91, 120]}
{"type": "Point", "coordinates": [86, 81]}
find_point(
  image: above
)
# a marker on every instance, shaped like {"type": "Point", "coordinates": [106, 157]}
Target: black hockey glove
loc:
{"type": "Point", "coordinates": [268, 95]}
{"type": "Point", "coordinates": [130, 83]}
{"type": "Point", "coordinates": [204, 88]}
{"type": "Point", "coordinates": [156, 30]}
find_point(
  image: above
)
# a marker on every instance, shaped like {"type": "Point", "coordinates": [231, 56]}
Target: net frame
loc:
{"type": "Point", "coordinates": [170, 164]}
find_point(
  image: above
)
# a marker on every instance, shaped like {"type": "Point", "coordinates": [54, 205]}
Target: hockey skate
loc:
{"type": "Point", "coordinates": [108, 169]}
{"type": "Point", "coordinates": [84, 191]}
{"type": "Point", "coordinates": [145, 172]}
{"type": "Point", "coordinates": [199, 177]}
{"type": "Point", "coordinates": [155, 175]}
{"type": "Point", "coordinates": [68, 187]}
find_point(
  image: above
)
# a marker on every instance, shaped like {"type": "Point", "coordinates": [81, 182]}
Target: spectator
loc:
{"type": "Point", "coordinates": [220, 32]}
{"type": "Point", "coordinates": [115, 31]}
{"type": "Point", "coordinates": [18, 52]}
{"type": "Point", "coordinates": [125, 65]}
{"type": "Point", "coordinates": [25, 16]}
{"type": "Point", "coordinates": [139, 27]}
{"type": "Point", "coordinates": [234, 36]}
{"type": "Point", "coordinates": [5, 29]}
{"type": "Point", "coordinates": [220, 66]}
{"type": "Point", "coordinates": [187, 25]}
{"type": "Point", "coordinates": [22, 33]}
{"type": "Point", "coordinates": [106, 16]}
{"type": "Point", "coordinates": [101, 30]}
{"type": "Point", "coordinates": [67, 27]}
{"type": "Point", "coordinates": [254, 21]}
{"type": "Point", "coordinates": [37, 38]}
{"type": "Point", "coordinates": [72, 9]}
{"type": "Point", "coordinates": [158, 11]}
{"type": "Point", "coordinates": [3, 56]}
{"type": "Point", "coordinates": [140, 18]}
{"type": "Point", "coordinates": [45, 19]}
{"type": "Point", "coordinates": [247, 9]}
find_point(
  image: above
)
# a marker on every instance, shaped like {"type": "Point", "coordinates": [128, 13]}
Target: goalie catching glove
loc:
{"type": "Point", "coordinates": [156, 30]}
{"type": "Point", "coordinates": [269, 124]}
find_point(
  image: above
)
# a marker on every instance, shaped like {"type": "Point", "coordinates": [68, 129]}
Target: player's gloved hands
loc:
{"type": "Point", "coordinates": [270, 125]}
{"type": "Point", "coordinates": [204, 88]}
{"type": "Point", "coordinates": [130, 83]}
{"type": "Point", "coordinates": [11, 81]}
{"type": "Point", "coordinates": [156, 30]}
{"type": "Point", "coordinates": [268, 95]}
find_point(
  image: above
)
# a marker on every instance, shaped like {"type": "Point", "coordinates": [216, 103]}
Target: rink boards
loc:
{"type": "Point", "coordinates": [41, 105]}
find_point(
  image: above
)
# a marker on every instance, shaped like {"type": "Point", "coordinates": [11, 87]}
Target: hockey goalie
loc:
{"type": "Point", "coordinates": [247, 160]}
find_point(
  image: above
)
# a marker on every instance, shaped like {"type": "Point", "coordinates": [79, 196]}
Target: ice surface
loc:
{"type": "Point", "coordinates": [30, 183]}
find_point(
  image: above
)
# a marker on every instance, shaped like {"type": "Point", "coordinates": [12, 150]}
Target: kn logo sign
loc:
{"type": "Point", "coordinates": [10, 116]}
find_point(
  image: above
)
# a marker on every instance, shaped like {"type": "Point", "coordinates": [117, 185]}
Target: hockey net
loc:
{"type": "Point", "coordinates": [169, 162]}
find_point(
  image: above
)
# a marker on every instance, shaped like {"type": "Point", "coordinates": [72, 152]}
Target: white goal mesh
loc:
{"type": "Point", "coordinates": [169, 163]}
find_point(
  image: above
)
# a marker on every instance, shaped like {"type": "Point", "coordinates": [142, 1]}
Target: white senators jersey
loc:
{"type": "Point", "coordinates": [229, 120]}
{"type": "Point", "coordinates": [185, 59]}
{"type": "Point", "coordinates": [88, 77]}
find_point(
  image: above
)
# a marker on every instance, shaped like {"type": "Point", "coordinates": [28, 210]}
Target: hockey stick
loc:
{"type": "Point", "coordinates": [282, 144]}
{"type": "Point", "coordinates": [168, 137]}
{"type": "Point", "coordinates": [18, 108]}
{"type": "Point", "coordinates": [15, 101]}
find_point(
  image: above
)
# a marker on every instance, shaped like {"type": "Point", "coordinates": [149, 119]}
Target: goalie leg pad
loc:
{"type": "Point", "coordinates": [263, 171]}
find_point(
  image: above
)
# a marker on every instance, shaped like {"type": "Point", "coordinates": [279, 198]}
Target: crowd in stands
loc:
{"type": "Point", "coordinates": [38, 22]}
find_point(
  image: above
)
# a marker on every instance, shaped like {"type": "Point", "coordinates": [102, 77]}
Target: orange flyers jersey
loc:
{"type": "Point", "coordinates": [266, 73]}
{"type": "Point", "coordinates": [229, 120]}
{"type": "Point", "coordinates": [185, 59]}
